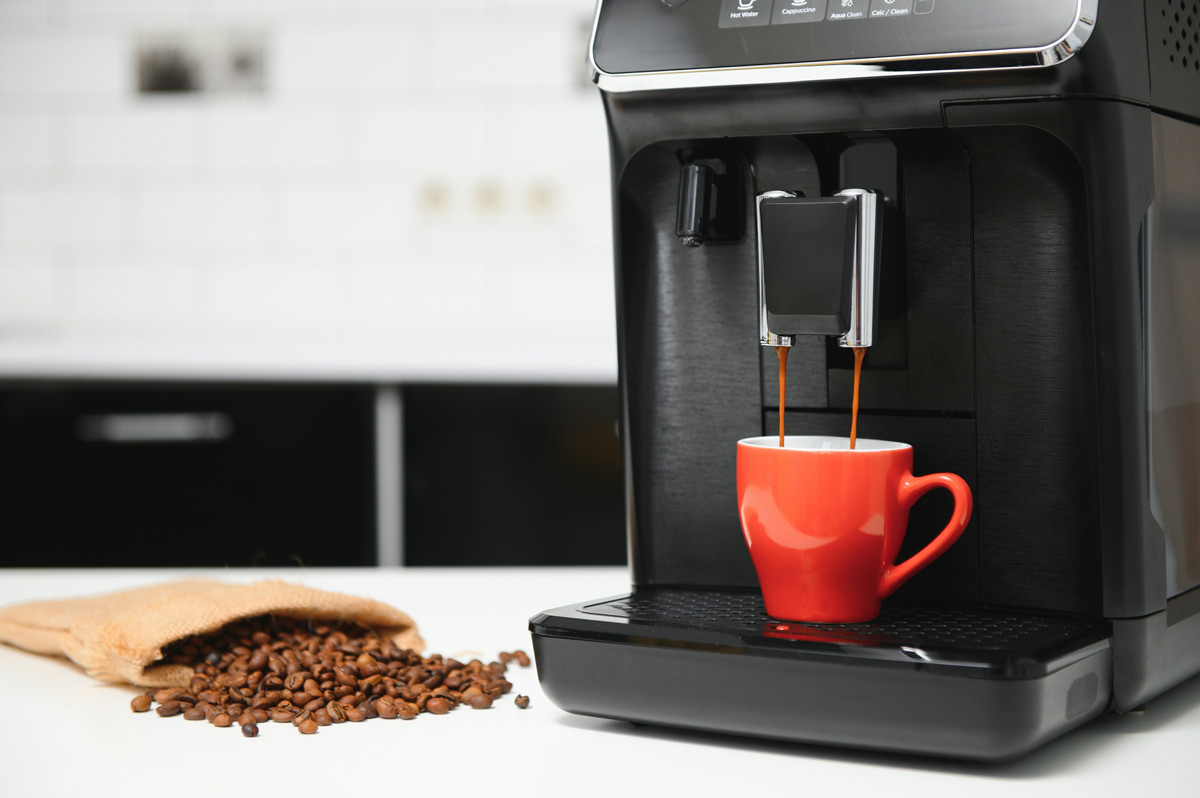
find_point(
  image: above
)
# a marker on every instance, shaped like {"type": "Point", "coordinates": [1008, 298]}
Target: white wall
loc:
{"type": "Point", "coordinates": [411, 163]}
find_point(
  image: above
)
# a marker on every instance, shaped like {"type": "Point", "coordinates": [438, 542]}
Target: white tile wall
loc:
{"type": "Point", "coordinates": [130, 141]}
{"type": "Point", "coordinates": [63, 214]}
{"type": "Point", "coordinates": [55, 64]}
{"type": "Point", "coordinates": [26, 144]}
{"type": "Point", "coordinates": [407, 171]}
{"type": "Point", "coordinates": [201, 216]}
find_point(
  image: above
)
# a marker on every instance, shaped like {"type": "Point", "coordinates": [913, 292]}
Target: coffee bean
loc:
{"type": "Point", "coordinates": [522, 701]}
{"type": "Point", "coordinates": [169, 708]}
{"type": "Point", "coordinates": [249, 729]}
{"type": "Point", "coordinates": [258, 661]}
{"type": "Point", "coordinates": [387, 708]}
{"type": "Point", "coordinates": [308, 726]}
{"type": "Point", "coordinates": [522, 658]}
{"type": "Point", "coordinates": [317, 674]}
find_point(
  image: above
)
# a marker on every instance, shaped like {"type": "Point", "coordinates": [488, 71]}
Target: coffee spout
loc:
{"type": "Point", "coordinates": [864, 288]}
{"type": "Point", "coordinates": [818, 266]}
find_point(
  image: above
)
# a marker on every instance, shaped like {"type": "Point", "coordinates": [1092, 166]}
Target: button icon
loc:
{"type": "Point", "coordinates": [891, 8]}
{"type": "Point", "coordinates": [789, 11]}
{"type": "Point", "coordinates": [848, 9]}
{"type": "Point", "coordinates": [745, 13]}
{"type": "Point", "coordinates": [923, 7]}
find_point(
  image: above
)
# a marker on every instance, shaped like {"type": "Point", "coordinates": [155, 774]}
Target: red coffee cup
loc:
{"type": "Point", "coordinates": [824, 522]}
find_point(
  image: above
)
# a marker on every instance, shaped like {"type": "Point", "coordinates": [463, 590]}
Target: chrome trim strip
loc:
{"type": "Point", "coordinates": [939, 63]}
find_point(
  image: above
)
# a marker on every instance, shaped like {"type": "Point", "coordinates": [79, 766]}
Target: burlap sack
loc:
{"type": "Point", "coordinates": [118, 637]}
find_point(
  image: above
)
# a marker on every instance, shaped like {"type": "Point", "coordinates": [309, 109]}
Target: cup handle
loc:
{"type": "Point", "coordinates": [911, 489]}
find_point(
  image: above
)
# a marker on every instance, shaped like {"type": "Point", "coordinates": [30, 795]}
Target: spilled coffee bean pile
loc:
{"type": "Point", "coordinates": [318, 674]}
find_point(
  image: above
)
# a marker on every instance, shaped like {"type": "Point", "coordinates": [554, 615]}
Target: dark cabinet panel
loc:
{"type": "Point", "coordinates": [512, 475]}
{"type": "Point", "coordinates": [129, 475]}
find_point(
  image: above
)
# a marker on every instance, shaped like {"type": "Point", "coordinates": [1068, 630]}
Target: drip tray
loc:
{"type": "Point", "coordinates": [945, 680]}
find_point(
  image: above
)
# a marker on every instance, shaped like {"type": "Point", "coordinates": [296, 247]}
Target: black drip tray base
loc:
{"type": "Point", "coordinates": [951, 681]}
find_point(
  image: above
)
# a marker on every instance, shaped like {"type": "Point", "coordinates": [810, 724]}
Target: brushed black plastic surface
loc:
{"type": "Point", "coordinates": [1034, 373]}
{"type": "Point", "coordinates": [1118, 189]}
{"type": "Point", "coordinates": [692, 381]}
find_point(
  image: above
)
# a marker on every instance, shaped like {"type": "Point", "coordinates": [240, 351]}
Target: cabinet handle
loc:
{"type": "Point", "coordinates": [155, 428]}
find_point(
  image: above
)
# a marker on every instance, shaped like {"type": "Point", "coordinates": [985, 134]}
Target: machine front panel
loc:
{"type": "Point", "coordinates": [635, 36]}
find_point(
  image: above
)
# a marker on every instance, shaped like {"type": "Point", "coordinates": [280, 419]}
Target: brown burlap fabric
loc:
{"type": "Point", "coordinates": [118, 637]}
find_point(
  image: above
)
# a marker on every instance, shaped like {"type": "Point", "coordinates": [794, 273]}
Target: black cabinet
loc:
{"type": "Point", "coordinates": [512, 475]}
{"type": "Point", "coordinates": [153, 475]}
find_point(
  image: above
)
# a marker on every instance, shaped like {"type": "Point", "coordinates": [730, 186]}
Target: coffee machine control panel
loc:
{"type": "Point", "coordinates": [648, 44]}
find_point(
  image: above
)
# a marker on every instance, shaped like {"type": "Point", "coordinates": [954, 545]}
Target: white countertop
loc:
{"type": "Point", "coordinates": [64, 734]}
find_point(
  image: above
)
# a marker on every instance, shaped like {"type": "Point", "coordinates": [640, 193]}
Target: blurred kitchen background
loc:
{"type": "Point", "coordinates": [320, 282]}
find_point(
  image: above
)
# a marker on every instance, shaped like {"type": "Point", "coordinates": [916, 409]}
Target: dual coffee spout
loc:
{"type": "Point", "coordinates": [818, 266]}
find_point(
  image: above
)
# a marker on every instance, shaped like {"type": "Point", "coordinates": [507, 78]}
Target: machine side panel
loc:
{"type": "Point", "coordinates": [1172, 288]}
{"type": "Point", "coordinates": [1119, 190]}
{"type": "Point", "coordinates": [691, 372]}
{"type": "Point", "coordinates": [1173, 41]}
{"type": "Point", "coordinates": [1036, 381]}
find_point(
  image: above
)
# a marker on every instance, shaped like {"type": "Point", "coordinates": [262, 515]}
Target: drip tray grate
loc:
{"type": "Point", "coordinates": [953, 631]}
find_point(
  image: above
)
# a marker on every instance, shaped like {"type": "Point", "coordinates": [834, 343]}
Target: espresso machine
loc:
{"type": "Point", "coordinates": [1032, 249]}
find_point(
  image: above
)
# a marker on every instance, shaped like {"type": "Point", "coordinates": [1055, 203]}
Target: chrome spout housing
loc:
{"type": "Point", "coordinates": [864, 286]}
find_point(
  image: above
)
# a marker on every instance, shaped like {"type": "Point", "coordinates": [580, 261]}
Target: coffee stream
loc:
{"type": "Point", "coordinates": [860, 352]}
{"type": "Point", "coordinates": [782, 352]}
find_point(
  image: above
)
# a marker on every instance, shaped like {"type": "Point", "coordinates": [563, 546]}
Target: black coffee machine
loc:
{"type": "Point", "coordinates": [1037, 170]}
